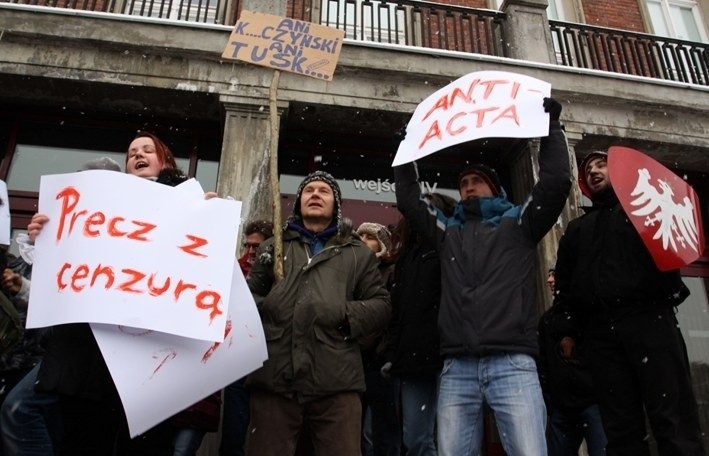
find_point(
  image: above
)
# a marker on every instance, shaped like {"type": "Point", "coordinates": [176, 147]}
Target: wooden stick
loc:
{"type": "Point", "coordinates": [275, 185]}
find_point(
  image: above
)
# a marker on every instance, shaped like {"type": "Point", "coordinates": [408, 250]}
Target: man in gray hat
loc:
{"type": "Point", "coordinates": [332, 294]}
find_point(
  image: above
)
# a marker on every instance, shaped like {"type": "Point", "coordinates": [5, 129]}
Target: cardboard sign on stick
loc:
{"type": "Point", "coordinates": [662, 207]}
{"type": "Point", "coordinates": [285, 44]}
{"type": "Point", "coordinates": [125, 250]}
{"type": "Point", "coordinates": [485, 104]}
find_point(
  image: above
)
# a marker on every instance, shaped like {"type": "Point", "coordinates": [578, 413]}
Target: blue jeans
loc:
{"type": "Point", "coordinates": [509, 385]}
{"type": "Point", "coordinates": [567, 429]}
{"type": "Point", "coordinates": [188, 441]}
{"type": "Point", "coordinates": [29, 420]}
{"type": "Point", "coordinates": [419, 398]}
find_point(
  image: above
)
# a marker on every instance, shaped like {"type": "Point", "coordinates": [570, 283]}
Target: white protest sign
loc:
{"type": "Point", "coordinates": [485, 104]}
{"type": "Point", "coordinates": [158, 375]}
{"type": "Point", "coordinates": [192, 188]}
{"type": "Point", "coordinates": [125, 250]}
{"type": "Point", "coordinates": [4, 215]}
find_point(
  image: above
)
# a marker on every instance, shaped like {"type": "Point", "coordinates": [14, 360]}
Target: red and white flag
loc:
{"type": "Point", "coordinates": [662, 207]}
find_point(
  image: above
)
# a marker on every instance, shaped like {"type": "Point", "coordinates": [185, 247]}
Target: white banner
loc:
{"type": "Point", "coordinates": [485, 104]}
{"type": "Point", "coordinates": [158, 375]}
{"type": "Point", "coordinates": [124, 250]}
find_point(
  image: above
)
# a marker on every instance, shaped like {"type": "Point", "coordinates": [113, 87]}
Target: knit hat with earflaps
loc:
{"type": "Point", "coordinates": [488, 174]}
{"type": "Point", "coordinates": [380, 232]}
{"type": "Point", "coordinates": [582, 171]}
{"type": "Point", "coordinates": [329, 180]}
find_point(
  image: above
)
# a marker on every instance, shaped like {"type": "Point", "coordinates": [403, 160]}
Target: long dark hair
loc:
{"type": "Point", "coordinates": [403, 237]}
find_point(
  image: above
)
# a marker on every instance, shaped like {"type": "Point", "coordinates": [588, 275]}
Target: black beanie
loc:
{"type": "Point", "coordinates": [585, 189]}
{"type": "Point", "coordinates": [487, 173]}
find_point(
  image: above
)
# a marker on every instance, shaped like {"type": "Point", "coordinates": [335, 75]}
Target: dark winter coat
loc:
{"type": "Point", "coordinates": [373, 345]}
{"type": "Point", "coordinates": [30, 349]}
{"type": "Point", "coordinates": [567, 385]}
{"type": "Point", "coordinates": [313, 318]}
{"type": "Point", "coordinates": [412, 342]}
{"type": "Point", "coordinates": [73, 365]}
{"type": "Point", "coordinates": [604, 267]}
{"type": "Point", "coordinates": [488, 256]}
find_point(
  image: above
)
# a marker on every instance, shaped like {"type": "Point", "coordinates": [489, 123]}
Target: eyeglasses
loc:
{"type": "Point", "coordinates": [252, 245]}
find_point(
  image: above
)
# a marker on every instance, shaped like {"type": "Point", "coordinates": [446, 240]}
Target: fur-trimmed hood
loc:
{"type": "Point", "coordinates": [171, 176]}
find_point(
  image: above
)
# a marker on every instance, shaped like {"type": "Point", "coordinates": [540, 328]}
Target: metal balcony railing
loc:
{"type": "Point", "coordinates": [411, 23]}
{"type": "Point", "coordinates": [203, 11]}
{"type": "Point", "coordinates": [620, 51]}
{"type": "Point", "coordinates": [438, 26]}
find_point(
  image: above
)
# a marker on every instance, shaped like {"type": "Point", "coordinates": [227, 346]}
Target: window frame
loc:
{"type": "Point", "coordinates": [199, 145]}
{"type": "Point", "coordinates": [665, 7]}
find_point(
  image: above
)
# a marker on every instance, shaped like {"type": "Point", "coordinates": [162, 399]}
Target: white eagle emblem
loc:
{"type": "Point", "coordinates": [676, 221]}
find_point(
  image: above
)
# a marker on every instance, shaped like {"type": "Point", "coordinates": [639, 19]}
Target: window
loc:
{"type": "Point", "coordinates": [677, 19]}
{"type": "Point", "coordinates": [30, 162]}
{"type": "Point", "coordinates": [558, 10]}
{"type": "Point", "coordinates": [207, 172]}
{"type": "Point", "coordinates": [555, 10]}
{"type": "Point", "coordinates": [694, 324]}
{"type": "Point", "coordinates": [54, 145]}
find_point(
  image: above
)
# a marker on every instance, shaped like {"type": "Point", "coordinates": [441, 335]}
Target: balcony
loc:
{"type": "Point", "coordinates": [409, 23]}
{"type": "Point", "coordinates": [619, 51]}
{"type": "Point", "coordinates": [222, 12]}
{"type": "Point", "coordinates": [443, 27]}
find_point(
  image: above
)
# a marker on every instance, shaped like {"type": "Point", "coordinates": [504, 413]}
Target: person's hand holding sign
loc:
{"type": "Point", "coordinates": [553, 107]}
{"type": "Point", "coordinates": [11, 281]}
{"type": "Point", "coordinates": [35, 226]}
{"type": "Point", "coordinates": [482, 104]}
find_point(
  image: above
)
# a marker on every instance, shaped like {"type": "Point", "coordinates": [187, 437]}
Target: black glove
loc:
{"type": "Point", "coordinates": [400, 134]}
{"type": "Point", "coordinates": [553, 107]}
{"type": "Point", "coordinates": [386, 370]}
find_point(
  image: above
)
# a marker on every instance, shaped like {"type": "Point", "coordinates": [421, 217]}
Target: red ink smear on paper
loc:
{"type": "Point", "coordinates": [135, 332]}
{"type": "Point", "coordinates": [208, 354]}
{"type": "Point", "coordinates": [171, 355]}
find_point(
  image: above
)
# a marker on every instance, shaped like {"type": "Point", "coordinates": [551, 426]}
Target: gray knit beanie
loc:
{"type": "Point", "coordinates": [106, 163]}
{"type": "Point", "coordinates": [329, 180]}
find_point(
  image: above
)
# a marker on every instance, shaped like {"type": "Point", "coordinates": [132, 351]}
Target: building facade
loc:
{"type": "Point", "coordinates": [78, 79]}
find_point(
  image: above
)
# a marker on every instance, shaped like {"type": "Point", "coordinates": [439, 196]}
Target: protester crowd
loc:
{"type": "Point", "coordinates": [401, 340]}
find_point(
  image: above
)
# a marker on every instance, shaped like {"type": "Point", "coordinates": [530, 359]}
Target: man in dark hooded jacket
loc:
{"type": "Point", "coordinates": [488, 315]}
{"type": "Point", "coordinates": [571, 402]}
{"type": "Point", "coordinates": [331, 295]}
{"type": "Point", "coordinates": [611, 294]}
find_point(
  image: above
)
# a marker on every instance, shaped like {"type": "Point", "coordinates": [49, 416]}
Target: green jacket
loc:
{"type": "Point", "coordinates": [314, 317]}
